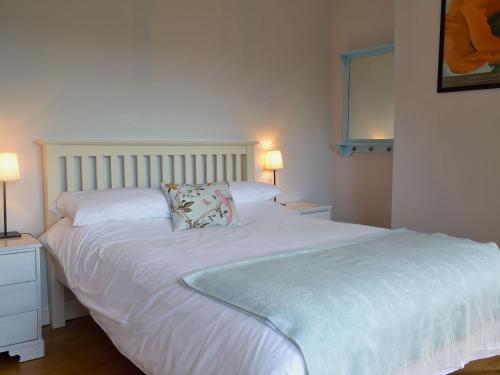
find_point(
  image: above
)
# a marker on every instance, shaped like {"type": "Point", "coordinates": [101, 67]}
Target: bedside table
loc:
{"type": "Point", "coordinates": [317, 211]}
{"type": "Point", "coordinates": [20, 298]}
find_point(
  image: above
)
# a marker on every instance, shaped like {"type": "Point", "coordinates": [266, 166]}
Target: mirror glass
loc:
{"type": "Point", "coordinates": [371, 97]}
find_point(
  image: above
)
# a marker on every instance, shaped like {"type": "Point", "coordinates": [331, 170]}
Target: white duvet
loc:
{"type": "Point", "coordinates": [127, 274]}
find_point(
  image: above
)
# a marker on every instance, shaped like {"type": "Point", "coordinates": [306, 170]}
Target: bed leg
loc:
{"type": "Point", "coordinates": [56, 297]}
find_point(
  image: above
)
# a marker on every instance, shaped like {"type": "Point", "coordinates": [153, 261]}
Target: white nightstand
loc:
{"type": "Point", "coordinates": [20, 298]}
{"type": "Point", "coordinates": [317, 211]}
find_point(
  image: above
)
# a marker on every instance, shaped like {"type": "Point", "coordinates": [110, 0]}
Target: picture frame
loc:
{"type": "Point", "coordinates": [472, 66]}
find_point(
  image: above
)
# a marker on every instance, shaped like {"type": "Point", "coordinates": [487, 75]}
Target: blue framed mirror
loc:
{"type": "Point", "coordinates": [368, 100]}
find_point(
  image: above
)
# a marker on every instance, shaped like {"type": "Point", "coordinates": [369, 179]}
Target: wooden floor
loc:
{"type": "Point", "coordinates": [79, 348]}
{"type": "Point", "coordinates": [82, 348]}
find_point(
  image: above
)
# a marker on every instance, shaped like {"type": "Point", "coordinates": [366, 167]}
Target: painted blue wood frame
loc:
{"type": "Point", "coordinates": [349, 146]}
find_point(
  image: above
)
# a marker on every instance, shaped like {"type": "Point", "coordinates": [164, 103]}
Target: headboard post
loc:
{"type": "Point", "coordinates": [87, 164]}
{"type": "Point", "coordinates": [250, 169]}
{"type": "Point", "coordinates": [51, 187]}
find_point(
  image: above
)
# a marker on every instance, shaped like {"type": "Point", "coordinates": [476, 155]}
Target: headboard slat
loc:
{"type": "Point", "coordinates": [188, 162]}
{"type": "Point", "coordinates": [200, 169]}
{"type": "Point", "coordinates": [210, 168]}
{"type": "Point", "coordinates": [99, 171]}
{"type": "Point", "coordinates": [128, 171]}
{"type": "Point", "coordinates": [115, 172]}
{"type": "Point", "coordinates": [85, 173]}
{"type": "Point", "coordinates": [238, 167]}
{"type": "Point", "coordinates": [229, 168]}
{"type": "Point", "coordinates": [166, 174]}
{"type": "Point", "coordinates": [219, 168]}
{"type": "Point", "coordinates": [178, 169]}
{"type": "Point", "coordinates": [154, 174]}
{"type": "Point", "coordinates": [141, 178]}
{"type": "Point", "coordinates": [70, 173]}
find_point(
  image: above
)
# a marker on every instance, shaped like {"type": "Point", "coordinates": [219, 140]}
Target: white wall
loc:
{"type": "Point", "coordinates": [220, 69]}
{"type": "Point", "coordinates": [447, 159]}
{"type": "Point", "coordinates": [362, 185]}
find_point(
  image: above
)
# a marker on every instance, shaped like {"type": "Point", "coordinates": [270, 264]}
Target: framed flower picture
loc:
{"type": "Point", "coordinates": [469, 56]}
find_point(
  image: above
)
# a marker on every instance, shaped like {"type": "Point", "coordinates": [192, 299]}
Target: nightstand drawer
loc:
{"type": "Point", "coordinates": [17, 267]}
{"type": "Point", "coordinates": [323, 215]}
{"type": "Point", "coordinates": [18, 328]}
{"type": "Point", "coordinates": [18, 298]}
{"type": "Point", "coordinates": [311, 210]}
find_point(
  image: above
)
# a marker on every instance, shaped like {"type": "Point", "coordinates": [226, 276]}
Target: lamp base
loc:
{"type": "Point", "coordinates": [10, 235]}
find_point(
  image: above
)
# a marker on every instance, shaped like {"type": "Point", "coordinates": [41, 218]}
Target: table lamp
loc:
{"type": "Point", "coordinates": [273, 160]}
{"type": "Point", "coordinates": [9, 171]}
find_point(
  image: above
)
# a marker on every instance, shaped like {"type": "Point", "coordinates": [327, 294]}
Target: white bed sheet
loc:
{"type": "Point", "coordinates": [127, 274]}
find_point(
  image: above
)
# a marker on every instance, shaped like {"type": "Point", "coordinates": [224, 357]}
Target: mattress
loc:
{"type": "Point", "coordinates": [127, 274]}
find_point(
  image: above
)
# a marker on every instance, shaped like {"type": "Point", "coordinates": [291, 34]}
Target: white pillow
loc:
{"type": "Point", "coordinates": [97, 206]}
{"type": "Point", "coordinates": [247, 192]}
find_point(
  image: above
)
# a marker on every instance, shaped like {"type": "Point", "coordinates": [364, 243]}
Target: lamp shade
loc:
{"type": "Point", "coordinates": [273, 160]}
{"type": "Point", "coordinates": [9, 167]}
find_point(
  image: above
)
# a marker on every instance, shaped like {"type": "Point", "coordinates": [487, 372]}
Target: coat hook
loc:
{"type": "Point", "coordinates": [371, 149]}
{"type": "Point", "coordinates": [389, 149]}
{"type": "Point", "coordinates": [354, 149]}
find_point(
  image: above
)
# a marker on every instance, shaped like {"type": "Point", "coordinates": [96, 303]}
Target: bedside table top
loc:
{"type": "Point", "coordinates": [307, 207]}
{"type": "Point", "coordinates": [26, 241]}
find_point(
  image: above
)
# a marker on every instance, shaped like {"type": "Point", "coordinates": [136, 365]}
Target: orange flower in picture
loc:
{"type": "Point", "coordinates": [470, 42]}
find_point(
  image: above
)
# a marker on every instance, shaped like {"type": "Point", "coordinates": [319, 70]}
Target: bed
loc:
{"type": "Point", "coordinates": [127, 273]}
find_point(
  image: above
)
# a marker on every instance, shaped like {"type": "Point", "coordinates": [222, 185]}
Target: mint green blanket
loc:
{"type": "Point", "coordinates": [401, 302]}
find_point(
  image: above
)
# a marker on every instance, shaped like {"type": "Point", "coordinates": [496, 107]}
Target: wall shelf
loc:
{"type": "Point", "coordinates": [365, 146]}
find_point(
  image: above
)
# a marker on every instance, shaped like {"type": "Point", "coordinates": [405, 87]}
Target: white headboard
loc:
{"type": "Point", "coordinates": [79, 165]}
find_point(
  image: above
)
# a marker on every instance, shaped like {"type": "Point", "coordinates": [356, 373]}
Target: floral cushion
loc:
{"type": "Point", "coordinates": [200, 206]}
